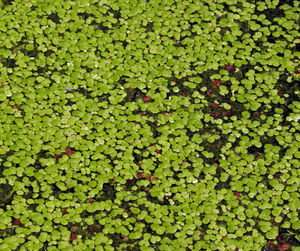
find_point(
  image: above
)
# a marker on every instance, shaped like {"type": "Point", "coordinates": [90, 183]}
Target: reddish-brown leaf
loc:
{"type": "Point", "coordinates": [90, 200]}
{"type": "Point", "coordinates": [69, 151]}
{"type": "Point", "coordinates": [280, 237]}
{"type": "Point", "coordinates": [284, 246]}
{"type": "Point", "coordinates": [73, 237]}
{"type": "Point", "coordinates": [256, 114]}
{"type": "Point", "coordinates": [16, 222]}
{"type": "Point", "coordinates": [237, 195]}
{"type": "Point", "coordinates": [208, 93]}
{"type": "Point", "coordinates": [215, 114]}
{"type": "Point", "coordinates": [214, 105]}
{"type": "Point", "coordinates": [74, 229]}
{"type": "Point", "coordinates": [57, 157]}
{"type": "Point", "coordinates": [229, 67]}
{"type": "Point", "coordinates": [217, 82]}
{"type": "Point", "coordinates": [228, 113]}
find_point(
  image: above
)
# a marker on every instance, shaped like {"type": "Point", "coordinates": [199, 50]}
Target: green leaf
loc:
{"type": "Point", "coordinates": [296, 224]}
{"type": "Point", "coordinates": [272, 234]}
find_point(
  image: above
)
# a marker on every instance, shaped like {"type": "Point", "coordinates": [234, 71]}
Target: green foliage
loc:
{"type": "Point", "coordinates": [149, 125]}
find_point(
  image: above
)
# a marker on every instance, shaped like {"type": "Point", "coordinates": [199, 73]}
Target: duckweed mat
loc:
{"type": "Point", "coordinates": [149, 125]}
